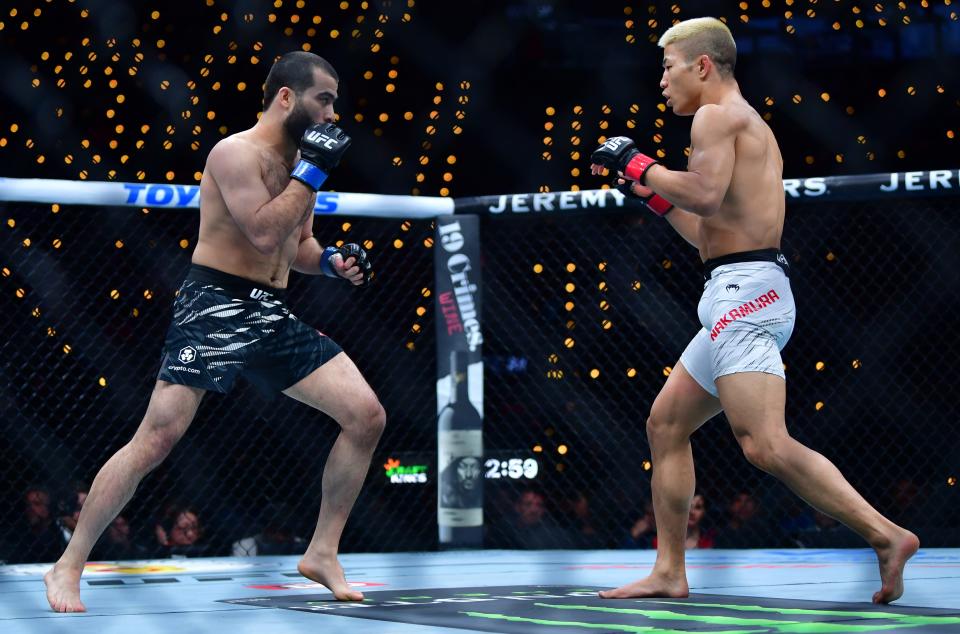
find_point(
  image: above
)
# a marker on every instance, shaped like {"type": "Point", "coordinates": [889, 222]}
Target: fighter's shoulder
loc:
{"type": "Point", "coordinates": [721, 118]}
{"type": "Point", "coordinates": [236, 151]}
{"type": "Point", "coordinates": [239, 142]}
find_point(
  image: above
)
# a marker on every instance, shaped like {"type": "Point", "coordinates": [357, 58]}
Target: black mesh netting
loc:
{"type": "Point", "coordinates": [570, 374]}
{"type": "Point", "coordinates": [91, 296]}
{"type": "Point", "coordinates": [870, 372]}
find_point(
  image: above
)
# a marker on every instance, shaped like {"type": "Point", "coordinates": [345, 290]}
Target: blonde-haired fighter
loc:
{"type": "Point", "coordinates": [729, 204]}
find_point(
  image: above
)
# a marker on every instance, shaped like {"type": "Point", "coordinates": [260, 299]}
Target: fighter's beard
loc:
{"type": "Point", "coordinates": [297, 123]}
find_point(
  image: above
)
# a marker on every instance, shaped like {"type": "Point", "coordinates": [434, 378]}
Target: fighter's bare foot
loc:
{"type": "Point", "coordinates": [653, 586]}
{"type": "Point", "coordinates": [893, 557]}
{"type": "Point", "coordinates": [63, 589]}
{"type": "Point", "coordinates": [326, 570]}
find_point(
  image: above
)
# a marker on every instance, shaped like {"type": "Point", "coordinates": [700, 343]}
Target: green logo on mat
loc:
{"type": "Point", "coordinates": [841, 620]}
{"type": "Point", "coordinates": [569, 609]}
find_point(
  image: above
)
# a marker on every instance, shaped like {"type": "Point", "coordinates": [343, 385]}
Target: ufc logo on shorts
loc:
{"type": "Point", "coordinates": [319, 137]}
{"type": "Point", "coordinates": [259, 294]}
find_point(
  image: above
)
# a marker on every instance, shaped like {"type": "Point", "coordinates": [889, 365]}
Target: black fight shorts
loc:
{"type": "Point", "coordinates": [225, 326]}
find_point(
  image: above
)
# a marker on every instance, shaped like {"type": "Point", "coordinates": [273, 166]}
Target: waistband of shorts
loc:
{"type": "Point", "coordinates": [238, 287]}
{"type": "Point", "coordinates": [760, 255]}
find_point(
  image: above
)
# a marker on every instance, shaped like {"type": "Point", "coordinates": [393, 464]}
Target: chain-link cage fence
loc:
{"type": "Point", "coordinates": [87, 298]}
{"type": "Point", "coordinates": [599, 309]}
{"type": "Point", "coordinates": [584, 316]}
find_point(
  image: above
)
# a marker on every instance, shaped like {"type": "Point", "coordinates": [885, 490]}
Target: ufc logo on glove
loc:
{"type": "Point", "coordinates": [319, 137]}
{"type": "Point", "coordinates": [614, 144]}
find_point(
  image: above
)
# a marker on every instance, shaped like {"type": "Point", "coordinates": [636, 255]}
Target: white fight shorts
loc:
{"type": "Point", "coordinates": [747, 312]}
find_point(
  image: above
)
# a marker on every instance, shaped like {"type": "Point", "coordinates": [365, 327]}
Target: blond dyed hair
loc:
{"type": "Point", "coordinates": [704, 36]}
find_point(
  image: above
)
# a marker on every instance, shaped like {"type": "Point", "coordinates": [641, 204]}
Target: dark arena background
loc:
{"type": "Point", "coordinates": [585, 310]}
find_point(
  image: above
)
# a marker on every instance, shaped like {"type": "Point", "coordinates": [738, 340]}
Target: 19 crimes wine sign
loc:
{"type": "Point", "coordinates": [459, 381]}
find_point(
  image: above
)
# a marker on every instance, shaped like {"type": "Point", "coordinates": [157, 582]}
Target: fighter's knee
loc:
{"type": "Point", "coordinates": [378, 418]}
{"type": "Point", "coordinates": [156, 439]}
{"type": "Point", "coordinates": [659, 426]}
{"type": "Point", "coordinates": [654, 426]}
{"type": "Point", "coordinates": [752, 451]}
{"type": "Point", "coordinates": [763, 453]}
{"type": "Point", "coordinates": [367, 419]}
{"type": "Point", "coordinates": [151, 450]}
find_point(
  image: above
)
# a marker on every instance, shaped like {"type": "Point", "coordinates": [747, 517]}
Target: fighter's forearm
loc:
{"type": "Point", "coordinates": [687, 190]}
{"type": "Point", "coordinates": [308, 257]}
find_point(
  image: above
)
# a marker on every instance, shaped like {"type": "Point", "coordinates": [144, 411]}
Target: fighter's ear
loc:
{"type": "Point", "coordinates": [704, 66]}
{"type": "Point", "coordinates": [285, 95]}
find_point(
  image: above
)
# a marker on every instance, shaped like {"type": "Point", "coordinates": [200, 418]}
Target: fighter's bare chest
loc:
{"type": "Point", "coordinates": [275, 176]}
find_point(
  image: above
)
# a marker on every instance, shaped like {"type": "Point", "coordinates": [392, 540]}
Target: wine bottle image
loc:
{"type": "Point", "coordinates": [459, 462]}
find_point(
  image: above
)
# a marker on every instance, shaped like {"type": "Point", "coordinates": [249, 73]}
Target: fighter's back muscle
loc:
{"type": "Point", "coordinates": [751, 214]}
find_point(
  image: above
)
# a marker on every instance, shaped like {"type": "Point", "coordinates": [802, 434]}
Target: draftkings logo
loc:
{"type": "Point", "coordinates": [398, 474]}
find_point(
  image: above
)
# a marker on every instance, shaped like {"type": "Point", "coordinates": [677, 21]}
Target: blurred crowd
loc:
{"type": "Point", "coordinates": [525, 518]}
{"type": "Point", "coordinates": [177, 529]}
